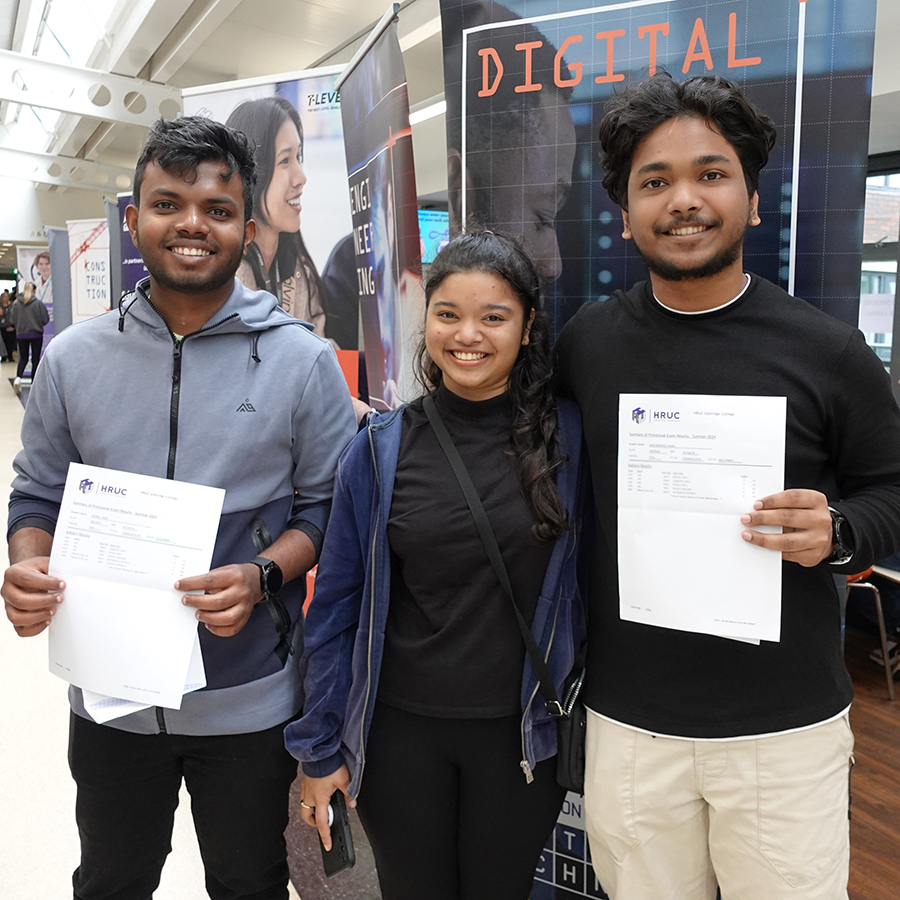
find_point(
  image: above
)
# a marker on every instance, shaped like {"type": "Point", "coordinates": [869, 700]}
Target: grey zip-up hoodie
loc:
{"type": "Point", "coordinates": [254, 403]}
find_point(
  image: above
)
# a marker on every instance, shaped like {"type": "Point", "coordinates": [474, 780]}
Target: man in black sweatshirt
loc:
{"type": "Point", "coordinates": [711, 760]}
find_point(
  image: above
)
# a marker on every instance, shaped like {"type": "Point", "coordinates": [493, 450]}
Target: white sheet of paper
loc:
{"type": "Point", "coordinates": [689, 466]}
{"type": "Point", "coordinates": [104, 709]}
{"type": "Point", "coordinates": [121, 542]}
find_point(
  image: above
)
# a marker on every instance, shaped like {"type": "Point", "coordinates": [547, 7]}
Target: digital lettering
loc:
{"type": "Point", "coordinates": [653, 31]}
{"type": "Point", "coordinates": [359, 197]}
{"type": "Point", "coordinates": [698, 36]}
{"type": "Point", "coordinates": [529, 84]}
{"type": "Point", "coordinates": [698, 50]}
{"type": "Point", "coordinates": [733, 61]}
{"type": "Point", "coordinates": [362, 239]}
{"type": "Point", "coordinates": [609, 37]}
{"type": "Point", "coordinates": [366, 281]}
{"type": "Point", "coordinates": [574, 68]}
{"type": "Point", "coordinates": [485, 54]}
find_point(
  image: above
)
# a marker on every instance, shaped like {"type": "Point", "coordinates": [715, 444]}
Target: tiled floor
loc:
{"type": "Point", "coordinates": [38, 839]}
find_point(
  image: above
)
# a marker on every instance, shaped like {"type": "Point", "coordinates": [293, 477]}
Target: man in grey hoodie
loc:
{"type": "Point", "coordinates": [215, 385]}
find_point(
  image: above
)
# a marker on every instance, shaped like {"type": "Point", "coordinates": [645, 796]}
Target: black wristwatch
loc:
{"type": "Point", "coordinates": [271, 578]}
{"type": "Point", "coordinates": [841, 539]}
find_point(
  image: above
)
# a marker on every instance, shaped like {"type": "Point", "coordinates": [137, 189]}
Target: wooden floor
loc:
{"type": "Point", "coordinates": [875, 814]}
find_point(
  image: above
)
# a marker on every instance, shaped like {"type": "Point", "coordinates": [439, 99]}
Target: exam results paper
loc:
{"type": "Point", "coordinates": [689, 466]}
{"type": "Point", "coordinates": [122, 540]}
{"type": "Point", "coordinates": [102, 708]}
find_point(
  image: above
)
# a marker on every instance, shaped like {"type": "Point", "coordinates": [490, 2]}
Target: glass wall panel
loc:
{"type": "Point", "coordinates": [878, 279]}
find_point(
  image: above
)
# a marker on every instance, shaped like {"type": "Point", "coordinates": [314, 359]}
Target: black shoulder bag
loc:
{"type": "Point", "coordinates": [570, 713]}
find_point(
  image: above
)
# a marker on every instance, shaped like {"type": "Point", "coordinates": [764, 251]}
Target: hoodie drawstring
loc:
{"type": "Point", "coordinates": [123, 310]}
{"type": "Point", "coordinates": [254, 355]}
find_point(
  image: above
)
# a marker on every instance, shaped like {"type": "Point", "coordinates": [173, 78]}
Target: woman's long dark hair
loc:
{"type": "Point", "coordinates": [534, 438]}
{"type": "Point", "coordinates": [260, 120]}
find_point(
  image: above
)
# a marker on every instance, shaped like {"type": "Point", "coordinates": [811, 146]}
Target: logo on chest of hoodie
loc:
{"type": "Point", "coordinates": [246, 406]}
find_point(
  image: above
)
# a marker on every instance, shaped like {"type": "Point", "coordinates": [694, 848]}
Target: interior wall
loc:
{"type": "Point", "coordinates": [26, 208]}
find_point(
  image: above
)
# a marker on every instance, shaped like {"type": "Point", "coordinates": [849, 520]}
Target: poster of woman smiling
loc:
{"type": "Point", "coordinates": [300, 204]}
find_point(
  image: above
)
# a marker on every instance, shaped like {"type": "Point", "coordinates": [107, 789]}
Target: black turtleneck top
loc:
{"type": "Point", "coordinates": [452, 646]}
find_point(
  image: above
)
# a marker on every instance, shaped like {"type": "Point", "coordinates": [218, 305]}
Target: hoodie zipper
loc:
{"type": "Point", "coordinates": [524, 764]}
{"type": "Point", "coordinates": [175, 398]}
{"type": "Point", "coordinates": [176, 388]}
{"type": "Point", "coordinates": [173, 406]}
{"type": "Point", "coordinates": [173, 418]}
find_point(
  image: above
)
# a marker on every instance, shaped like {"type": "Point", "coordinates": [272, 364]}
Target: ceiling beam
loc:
{"type": "Point", "coordinates": [198, 23]}
{"type": "Point", "coordinates": [135, 33]}
{"type": "Point", "coordinates": [63, 171]}
{"type": "Point", "coordinates": [419, 20]}
{"type": "Point", "coordinates": [85, 92]}
{"type": "Point", "coordinates": [147, 40]}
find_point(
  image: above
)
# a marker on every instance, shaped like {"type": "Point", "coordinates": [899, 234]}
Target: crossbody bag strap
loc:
{"type": "Point", "coordinates": [486, 532]}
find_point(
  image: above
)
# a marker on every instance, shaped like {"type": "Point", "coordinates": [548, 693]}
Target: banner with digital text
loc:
{"type": "Point", "coordinates": [526, 84]}
{"type": "Point", "coordinates": [382, 187]}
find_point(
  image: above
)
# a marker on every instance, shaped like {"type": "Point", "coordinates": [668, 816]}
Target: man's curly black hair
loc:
{"type": "Point", "coordinates": [642, 107]}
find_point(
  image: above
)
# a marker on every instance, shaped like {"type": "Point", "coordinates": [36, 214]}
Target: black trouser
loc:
{"type": "Point", "coordinates": [127, 794]}
{"type": "Point", "coordinates": [447, 808]}
{"type": "Point", "coordinates": [9, 342]}
{"type": "Point", "coordinates": [34, 345]}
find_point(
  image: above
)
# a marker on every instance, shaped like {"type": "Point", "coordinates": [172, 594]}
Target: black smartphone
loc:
{"type": "Point", "coordinates": [341, 855]}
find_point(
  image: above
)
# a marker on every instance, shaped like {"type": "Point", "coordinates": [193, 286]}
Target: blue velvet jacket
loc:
{"type": "Point", "coordinates": [346, 620]}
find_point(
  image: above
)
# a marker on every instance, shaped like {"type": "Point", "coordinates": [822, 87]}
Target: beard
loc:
{"type": "Point", "coordinates": [186, 283]}
{"type": "Point", "coordinates": [720, 261]}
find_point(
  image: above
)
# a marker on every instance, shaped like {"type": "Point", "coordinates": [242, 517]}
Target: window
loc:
{"type": "Point", "coordinates": [878, 279]}
{"type": "Point", "coordinates": [69, 32]}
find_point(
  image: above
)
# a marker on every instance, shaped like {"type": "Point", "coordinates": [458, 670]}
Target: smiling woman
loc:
{"type": "Point", "coordinates": [443, 700]}
{"type": "Point", "coordinates": [474, 328]}
{"type": "Point", "coordinates": [277, 260]}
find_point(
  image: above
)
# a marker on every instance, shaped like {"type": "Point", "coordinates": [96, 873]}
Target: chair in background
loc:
{"type": "Point", "coordinates": [857, 581]}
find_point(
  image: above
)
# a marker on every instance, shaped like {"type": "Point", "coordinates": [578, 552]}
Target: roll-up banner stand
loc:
{"type": "Point", "coordinates": [60, 287]}
{"type": "Point", "coordinates": [89, 267]}
{"type": "Point", "coordinates": [386, 250]}
{"type": "Point", "coordinates": [132, 266]}
{"type": "Point", "coordinates": [34, 267]}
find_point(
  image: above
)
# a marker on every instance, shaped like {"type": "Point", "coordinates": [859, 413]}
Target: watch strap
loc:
{"type": "Point", "coordinates": [265, 565]}
{"type": "Point", "coordinates": [841, 542]}
{"type": "Point", "coordinates": [281, 618]}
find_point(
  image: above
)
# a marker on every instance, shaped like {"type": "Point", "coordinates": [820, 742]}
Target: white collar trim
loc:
{"type": "Point", "coordinates": [703, 312]}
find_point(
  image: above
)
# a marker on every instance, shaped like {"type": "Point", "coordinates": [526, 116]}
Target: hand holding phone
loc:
{"type": "Point", "coordinates": [341, 855]}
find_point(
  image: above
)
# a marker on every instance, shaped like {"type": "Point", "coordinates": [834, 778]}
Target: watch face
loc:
{"type": "Point", "coordinates": [274, 578]}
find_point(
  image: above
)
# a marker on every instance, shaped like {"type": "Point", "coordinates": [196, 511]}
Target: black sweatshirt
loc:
{"type": "Point", "coordinates": [843, 439]}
